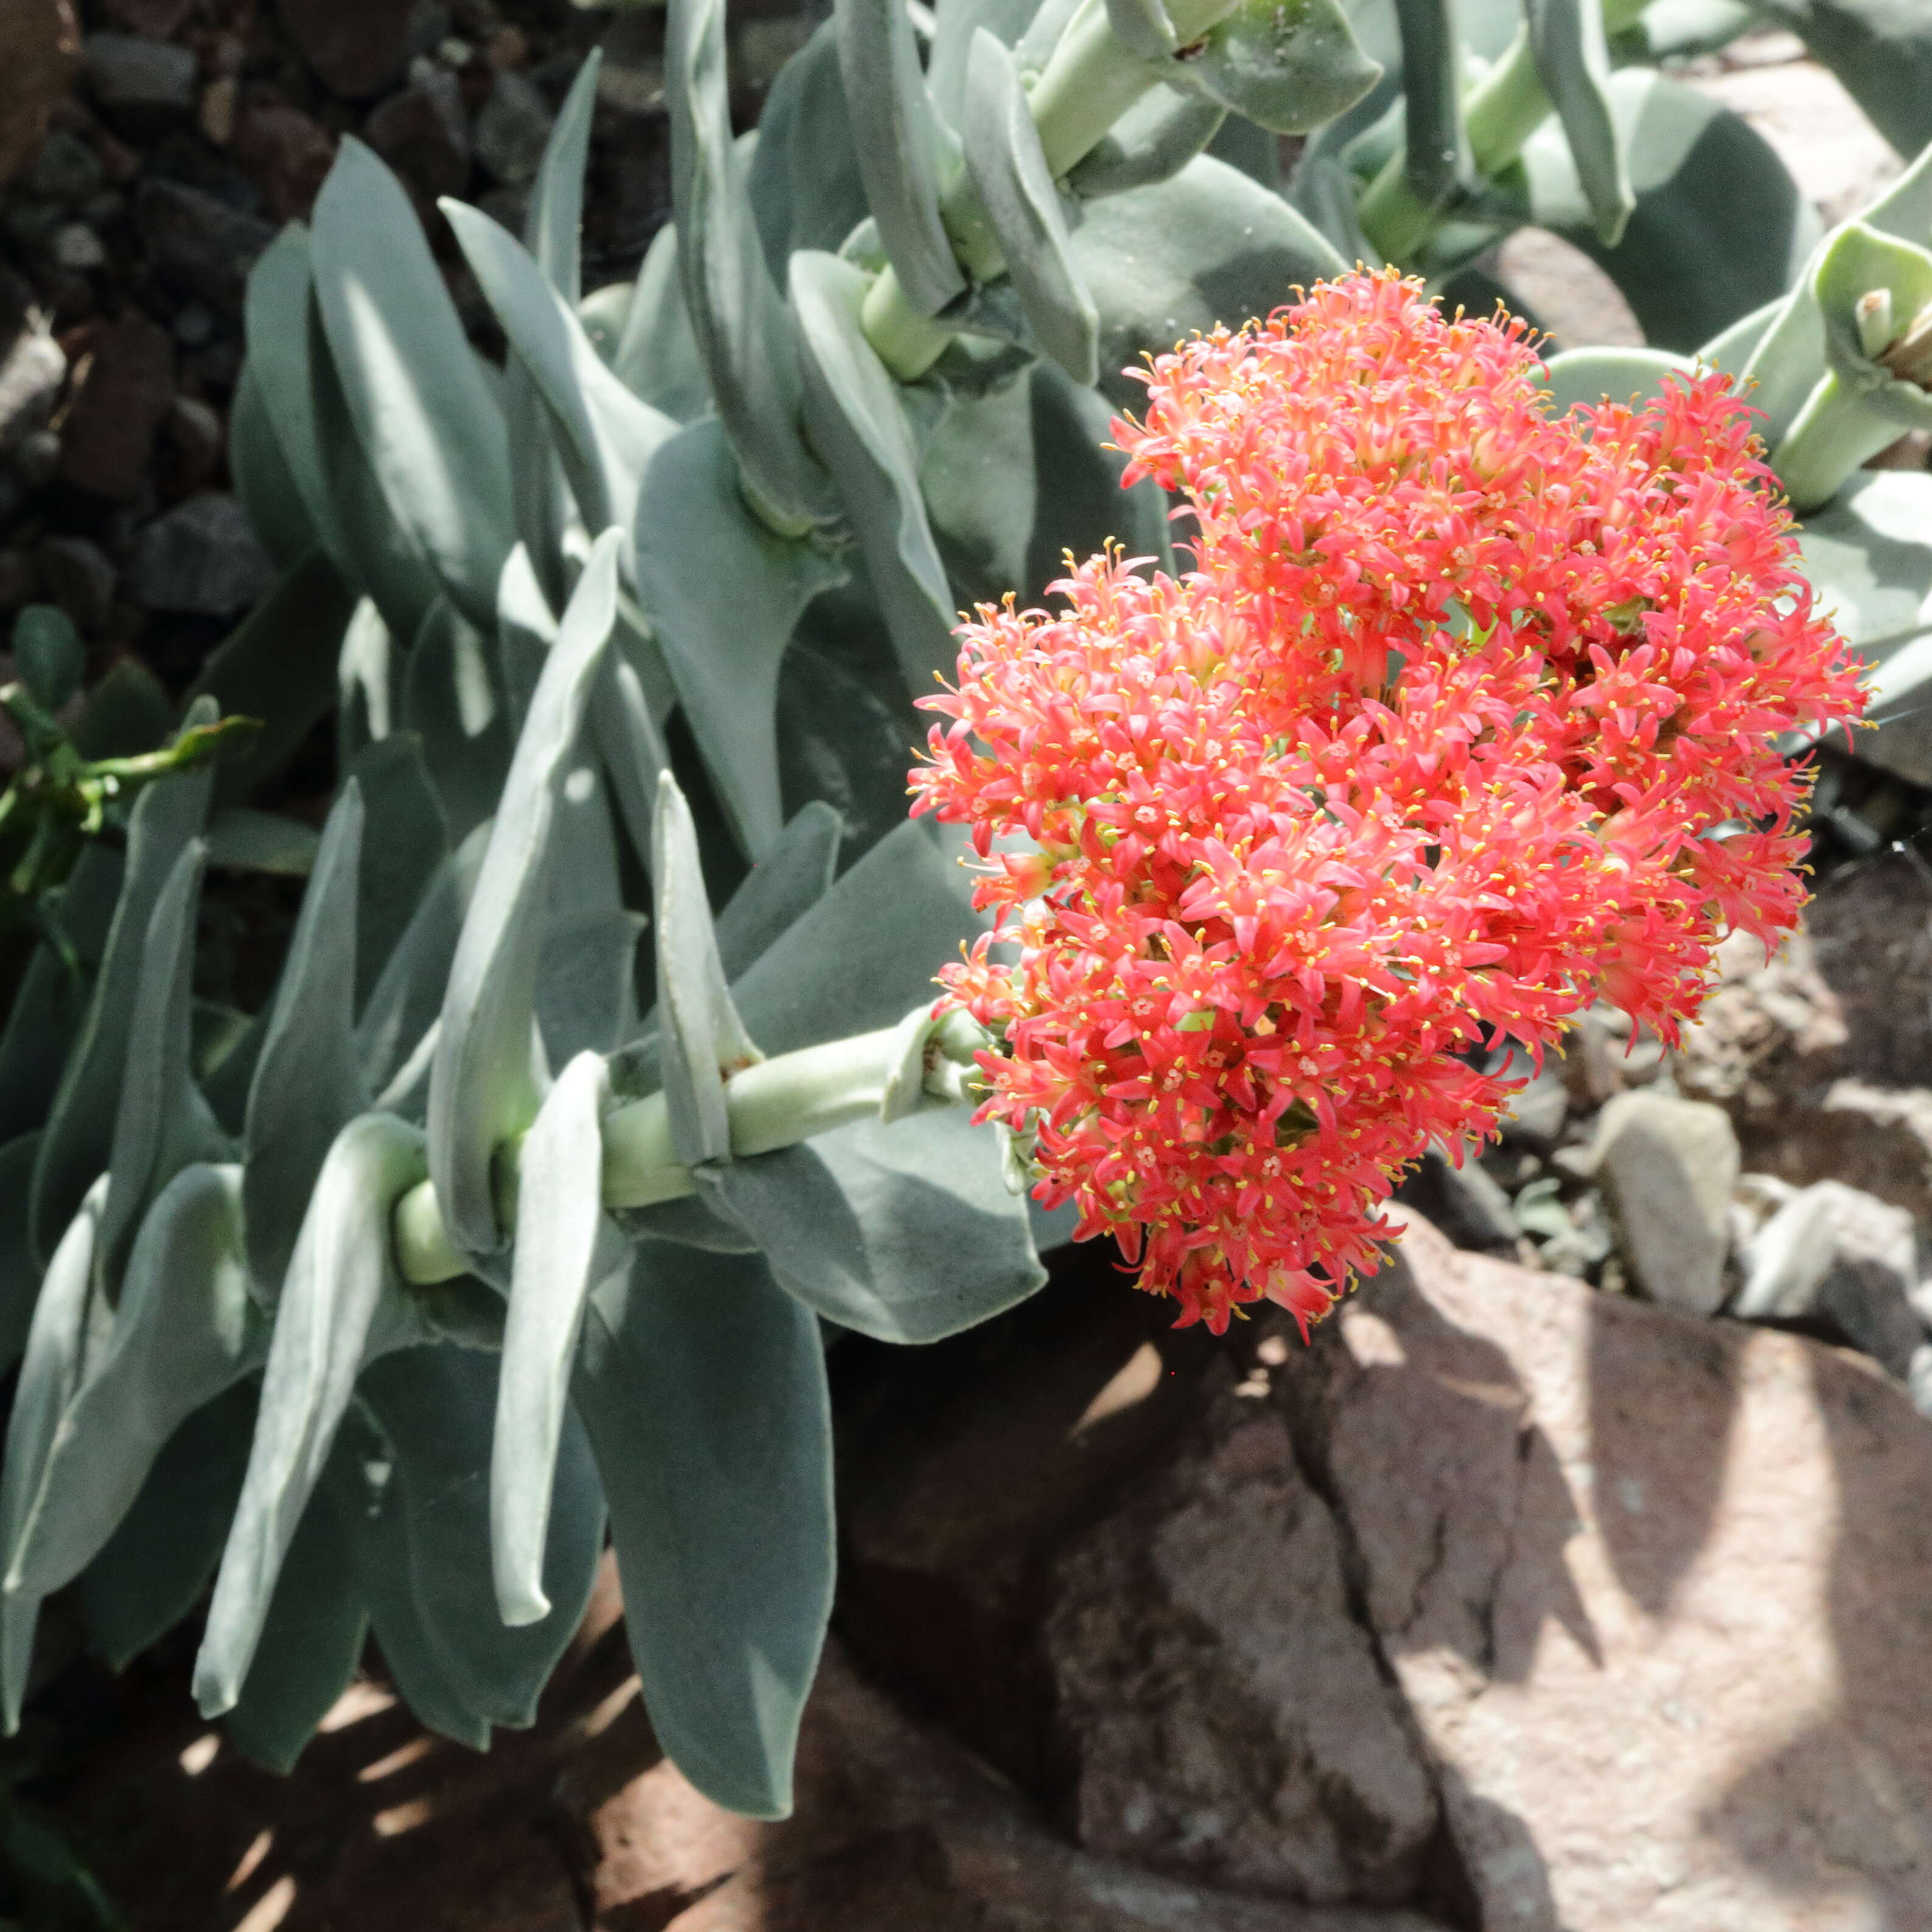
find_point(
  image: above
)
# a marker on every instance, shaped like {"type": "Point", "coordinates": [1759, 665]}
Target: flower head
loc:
{"type": "Point", "coordinates": [1462, 718]}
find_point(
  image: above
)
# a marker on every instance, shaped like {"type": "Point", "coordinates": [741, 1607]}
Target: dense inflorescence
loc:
{"type": "Point", "coordinates": [1464, 719]}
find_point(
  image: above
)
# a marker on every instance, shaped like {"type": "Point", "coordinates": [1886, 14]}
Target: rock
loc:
{"type": "Point", "coordinates": [80, 578]}
{"type": "Point", "coordinates": [1838, 159]}
{"type": "Point", "coordinates": [66, 171]}
{"type": "Point", "coordinates": [19, 581]}
{"type": "Point", "coordinates": [77, 247]}
{"type": "Point", "coordinates": [202, 557]}
{"type": "Point", "coordinates": [1657, 1592]}
{"type": "Point", "coordinates": [31, 372]}
{"type": "Point", "coordinates": [287, 155]}
{"type": "Point", "coordinates": [158, 20]}
{"type": "Point", "coordinates": [110, 430]}
{"type": "Point", "coordinates": [512, 128]}
{"type": "Point", "coordinates": [43, 44]}
{"type": "Point", "coordinates": [219, 100]}
{"type": "Point", "coordinates": [37, 461]}
{"type": "Point", "coordinates": [1667, 1167]}
{"type": "Point", "coordinates": [1877, 1138]}
{"type": "Point", "coordinates": [1537, 1114]}
{"type": "Point", "coordinates": [356, 47]}
{"type": "Point", "coordinates": [1222, 1707]}
{"type": "Point", "coordinates": [1771, 1033]}
{"type": "Point", "coordinates": [1603, 1055]}
{"type": "Point", "coordinates": [141, 85]}
{"type": "Point", "coordinates": [1871, 938]}
{"type": "Point", "coordinates": [1464, 1202]}
{"type": "Point", "coordinates": [1569, 295]}
{"type": "Point", "coordinates": [1840, 1255]}
{"type": "Point", "coordinates": [199, 439]}
{"type": "Point", "coordinates": [201, 244]}
{"type": "Point", "coordinates": [422, 134]}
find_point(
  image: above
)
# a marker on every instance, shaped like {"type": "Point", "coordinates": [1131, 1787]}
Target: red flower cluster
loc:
{"type": "Point", "coordinates": [1463, 719]}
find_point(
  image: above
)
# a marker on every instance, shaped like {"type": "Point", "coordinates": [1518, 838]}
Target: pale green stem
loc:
{"type": "Point", "coordinates": [1089, 82]}
{"type": "Point", "coordinates": [775, 1103]}
{"type": "Point", "coordinates": [1831, 438]}
{"type": "Point", "coordinates": [1507, 106]}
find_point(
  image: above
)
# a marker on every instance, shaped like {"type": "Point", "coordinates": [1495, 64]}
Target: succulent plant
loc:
{"type": "Point", "coordinates": [600, 1084]}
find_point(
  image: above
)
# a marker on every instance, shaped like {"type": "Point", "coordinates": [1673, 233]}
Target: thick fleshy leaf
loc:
{"type": "Point", "coordinates": [308, 1083]}
{"type": "Point", "coordinates": [481, 1088]}
{"type": "Point", "coordinates": [1860, 263]}
{"type": "Point", "coordinates": [1614, 375]}
{"type": "Point", "coordinates": [743, 331]}
{"type": "Point", "coordinates": [263, 479]}
{"type": "Point", "coordinates": [1008, 168]}
{"type": "Point", "coordinates": [564, 1246]}
{"type": "Point", "coordinates": [312, 1638]}
{"type": "Point", "coordinates": [152, 1571]}
{"type": "Point", "coordinates": [431, 425]}
{"type": "Point", "coordinates": [394, 870]}
{"type": "Point", "coordinates": [434, 1406]}
{"type": "Point", "coordinates": [859, 423]}
{"type": "Point", "coordinates": [956, 21]}
{"type": "Point", "coordinates": [605, 435]}
{"type": "Point", "coordinates": [69, 1319]}
{"type": "Point", "coordinates": [279, 665]}
{"type": "Point", "coordinates": [724, 629]}
{"type": "Point", "coordinates": [452, 702]}
{"type": "Point", "coordinates": [50, 1005]}
{"type": "Point", "coordinates": [1290, 68]}
{"type": "Point", "coordinates": [20, 1279]}
{"type": "Point", "coordinates": [912, 899]}
{"type": "Point", "coordinates": [706, 1409]}
{"type": "Point", "coordinates": [1566, 38]}
{"type": "Point", "coordinates": [80, 1128]}
{"type": "Point", "coordinates": [1152, 141]}
{"type": "Point", "coordinates": [896, 138]}
{"type": "Point", "coordinates": [161, 1122]}
{"type": "Point", "coordinates": [1719, 228]}
{"type": "Point", "coordinates": [1207, 246]}
{"type": "Point", "coordinates": [803, 177]}
{"type": "Point", "coordinates": [556, 214]}
{"type": "Point", "coordinates": [703, 1039]}
{"type": "Point", "coordinates": [906, 1233]}
{"type": "Point", "coordinates": [341, 1303]}
{"type": "Point", "coordinates": [397, 1022]}
{"type": "Point", "coordinates": [281, 341]}
{"type": "Point", "coordinates": [656, 357]}
{"type": "Point", "coordinates": [186, 1328]}
{"type": "Point", "coordinates": [48, 657]}
{"type": "Point", "coordinates": [1869, 554]}
{"type": "Point", "coordinates": [1788, 357]}
{"type": "Point", "coordinates": [243, 840]}
{"type": "Point", "coordinates": [791, 878]}
{"type": "Point", "coordinates": [1880, 51]}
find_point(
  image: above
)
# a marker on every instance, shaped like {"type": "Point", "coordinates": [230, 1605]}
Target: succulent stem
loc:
{"type": "Point", "coordinates": [1831, 437]}
{"type": "Point", "coordinates": [775, 1103]}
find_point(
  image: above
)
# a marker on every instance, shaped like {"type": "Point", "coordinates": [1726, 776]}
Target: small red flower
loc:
{"type": "Point", "coordinates": [1463, 717]}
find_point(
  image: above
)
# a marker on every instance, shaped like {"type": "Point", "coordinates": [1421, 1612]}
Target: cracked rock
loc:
{"type": "Point", "coordinates": [1657, 1592]}
{"type": "Point", "coordinates": [202, 557]}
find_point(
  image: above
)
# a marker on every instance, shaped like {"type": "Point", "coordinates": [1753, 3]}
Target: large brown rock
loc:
{"type": "Point", "coordinates": [42, 41]}
{"type": "Point", "coordinates": [1657, 1592]}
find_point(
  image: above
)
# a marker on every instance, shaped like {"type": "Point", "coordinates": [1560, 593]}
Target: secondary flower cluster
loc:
{"type": "Point", "coordinates": [1463, 719]}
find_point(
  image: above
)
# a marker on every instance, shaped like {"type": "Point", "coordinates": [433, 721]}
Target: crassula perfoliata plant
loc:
{"type": "Point", "coordinates": [605, 1068]}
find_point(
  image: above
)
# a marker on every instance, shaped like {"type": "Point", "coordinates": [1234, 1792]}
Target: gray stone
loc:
{"type": "Point", "coordinates": [1667, 1167]}
{"type": "Point", "coordinates": [77, 247]}
{"type": "Point", "coordinates": [31, 372]}
{"type": "Point", "coordinates": [512, 127]}
{"type": "Point", "coordinates": [1537, 1115]}
{"type": "Point", "coordinates": [203, 247]}
{"type": "Point", "coordinates": [80, 578]}
{"type": "Point", "coordinates": [37, 460]}
{"type": "Point", "coordinates": [1878, 1138]}
{"type": "Point", "coordinates": [65, 171]}
{"type": "Point", "coordinates": [140, 82]}
{"type": "Point", "coordinates": [1464, 1202]}
{"type": "Point", "coordinates": [1836, 1253]}
{"type": "Point", "coordinates": [201, 557]}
